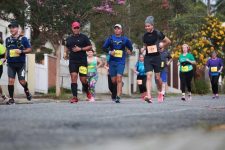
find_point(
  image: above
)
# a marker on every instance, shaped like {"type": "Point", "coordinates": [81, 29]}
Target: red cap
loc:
{"type": "Point", "coordinates": [75, 24]}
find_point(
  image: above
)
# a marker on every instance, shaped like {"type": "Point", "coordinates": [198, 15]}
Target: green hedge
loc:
{"type": "Point", "coordinates": [200, 86]}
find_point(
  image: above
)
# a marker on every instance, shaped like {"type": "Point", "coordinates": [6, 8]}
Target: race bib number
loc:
{"type": "Point", "coordinates": [139, 82]}
{"type": "Point", "coordinates": [184, 68]}
{"type": "Point", "coordinates": [83, 70]}
{"type": "Point", "coordinates": [213, 69]}
{"type": "Point", "coordinates": [118, 53]}
{"type": "Point", "coordinates": [12, 53]}
{"type": "Point", "coordinates": [152, 49]}
{"type": "Point", "coordinates": [162, 64]}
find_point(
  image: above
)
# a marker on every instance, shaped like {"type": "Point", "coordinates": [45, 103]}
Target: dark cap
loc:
{"type": "Point", "coordinates": [13, 24]}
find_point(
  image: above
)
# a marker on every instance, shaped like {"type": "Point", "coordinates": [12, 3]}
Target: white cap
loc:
{"type": "Point", "coordinates": [118, 25]}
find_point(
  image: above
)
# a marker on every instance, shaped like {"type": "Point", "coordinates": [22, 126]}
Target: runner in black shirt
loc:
{"type": "Point", "coordinates": [152, 61]}
{"type": "Point", "coordinates": [76, 47]}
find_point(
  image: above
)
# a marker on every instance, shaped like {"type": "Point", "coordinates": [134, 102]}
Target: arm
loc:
{"type": "Point", "coordinates": [166, 42]}
{"type": "Point", "coordinates": [106, 45]}
{"type": "Point", "coordinates": [99, 63]}
{"type": "Point", "coordinates": [66, 53]}
{"type": "Point", "coordinates": [86, 48]}
{"type": "Point", "coordinates": [129, 46]}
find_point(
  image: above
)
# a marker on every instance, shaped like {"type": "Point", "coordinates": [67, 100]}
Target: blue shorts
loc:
{"type": "Point", "coordinates": [163, 76]}
{"type": "Point", "coordinates": [116, 68]}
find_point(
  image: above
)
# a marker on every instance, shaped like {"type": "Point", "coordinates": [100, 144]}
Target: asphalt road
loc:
{"type": "Point", "coordinates": [131, 125]}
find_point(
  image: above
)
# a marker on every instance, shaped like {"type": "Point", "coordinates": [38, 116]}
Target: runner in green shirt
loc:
{"type": "Point", "coordinates": [186, 62]}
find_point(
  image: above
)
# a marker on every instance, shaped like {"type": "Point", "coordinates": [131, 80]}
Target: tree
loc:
{"type": "Point", "coordinates": [50, 19]}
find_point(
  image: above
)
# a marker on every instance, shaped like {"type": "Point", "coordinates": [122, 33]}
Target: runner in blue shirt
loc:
{"type": "Point", "coordinates": [115, 45]}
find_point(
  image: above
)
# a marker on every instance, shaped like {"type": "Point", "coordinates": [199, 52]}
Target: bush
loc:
{"type": "Point", "coordinates": [200, 86]}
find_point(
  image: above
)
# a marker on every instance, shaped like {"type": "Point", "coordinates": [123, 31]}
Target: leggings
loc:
{"type": "Point", "coordinates": [92, 79]}
{"type": "Point", "coordinates": [214, 83]}
{"type": "Point", "coordinates": [142, 86]}
{"type": "Point", "coordinates": [185, 79]}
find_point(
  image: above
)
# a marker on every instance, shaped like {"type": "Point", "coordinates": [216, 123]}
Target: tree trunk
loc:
{"type": "Point", "coordinates": [58, 56]}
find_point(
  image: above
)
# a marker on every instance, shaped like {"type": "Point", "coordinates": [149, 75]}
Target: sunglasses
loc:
{"type": "Point", "coordinates": [76, 27]}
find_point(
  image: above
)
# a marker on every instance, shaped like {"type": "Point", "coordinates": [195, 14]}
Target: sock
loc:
{"type": "Point", "coordinates": [11, 90]}
{"type": "Point", "coordinates": [25, 87]}
{"type": "Point", "coordinates": [74, 89]}
{"type": "Point", "coordinates": [114, 90]}
{"type": "Point", "coordinates": [85, 87]}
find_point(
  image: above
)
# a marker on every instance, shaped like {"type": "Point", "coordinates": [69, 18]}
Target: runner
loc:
{"type": "Point", "coordinates": [116, 46]}
{"type": "Point", "coordinates": [93, 64]}
{"type": "Point", "coordinates": [152, 62]}
{"type": "Point", "coordinates": [17, 47]}
{"type": "Point", "coordinates": [215, 66]}
{"type": "Point", "coordinates": [2, 61]}
{"type": "Point", "coordinates": [76, 47]}
{"type": "Point", "coordinates": [166, 59]}
{"type": "Point", "coordinates": [186, 62]}
{"type": "Point", "coordinates": [141, 76]}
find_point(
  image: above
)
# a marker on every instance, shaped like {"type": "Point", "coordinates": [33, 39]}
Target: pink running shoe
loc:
{"type": "Point", "coordinates": [160, 97]}
{"type": "Point", "coordinates": [92, 99]}
{"type": "Point", "coordinates": [74, 100]}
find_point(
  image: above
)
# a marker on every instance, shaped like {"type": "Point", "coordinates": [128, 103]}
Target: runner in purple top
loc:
{"type": "Point", "coordinates": [215, 66]}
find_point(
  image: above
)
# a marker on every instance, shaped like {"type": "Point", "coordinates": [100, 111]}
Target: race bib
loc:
{"type": "Point", "coordinates": [139, 82]}
{"type": "Point", "coordinates": [118, 53]}
{"type": "Point", "coordinates": [213, 69]}
{"type": "Point", "coordinates": [162, 64]}
{"type": "Point", "coordinates": [12, 53]}
{"type": "Point", "coordinates": [152, 49]}
{"type": "Point", "coordinates": [83, 70]}
{"type": "Point", "coordinates": [184, 68]}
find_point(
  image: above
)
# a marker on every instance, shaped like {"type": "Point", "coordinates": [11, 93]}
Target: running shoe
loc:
{"type": "Point", "coordinates": [74, 100]}
{"type": "Point", "coordinates": [183, 98]}
{"type": "Point", "coordinates": [28, 94]}
{"type": "Point", "coordinates": [11, 101]}
{"type": "Point", "coordinates": [4, 98]}
{"type": "Point", "coordinates": [89, 95]}
{"type": "Point", "coordinates": [148, 100]}
{"type": "Point", "coordinates": [117, 100]}
{"type": "Point", "coordinates": [160, 97]}
{"type": "Point", "coordinates": [217, 96]}
{"type": "Point", "coordinates": [92, 99]}
{"type": "Point", "coordinates": [189, 97]}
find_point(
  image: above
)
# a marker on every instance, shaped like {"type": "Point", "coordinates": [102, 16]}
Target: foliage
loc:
{"type": "Point", "coordinates": [211, 37]}
{"type": "Point", "coordinates": [200, 86]}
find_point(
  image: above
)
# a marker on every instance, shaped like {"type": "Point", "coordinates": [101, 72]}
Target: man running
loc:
{"type": "Point", "coordinates": [115, 45]}
{"type": "Point", "coordinates": [17, 47]}
{"type": "Point", "coordinates": [76, 47]}
{"type": "Point", "coordinates": [151, 40]}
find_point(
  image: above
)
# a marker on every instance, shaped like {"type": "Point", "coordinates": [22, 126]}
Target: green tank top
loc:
{"type": "Point", "coordinates": [2, 51]}
{"type": "Point", "coordinates": [92, 66]}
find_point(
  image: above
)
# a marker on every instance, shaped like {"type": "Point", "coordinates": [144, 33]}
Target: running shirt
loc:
{"type": "Point", "coordinates": [184, 65]}
{"type": "Point", "coordinates": [118, 44]}
{"type": "Point", "coordinates": [140, 68]}
{"type": "Point", "coordinates": [2, 52]}
{"type": "Point", "coordinates": [214, 66]}
{"type": "Point", "coordinates": [165, 57]}
{"type": "Point", "coordinates": [152, 40]}
{"type": "Point", "coordinates": [80, 40]}
{"type": "Point", "coordinates": [12, 44]}
{"type": "Point", "coordinates": [92, 66]}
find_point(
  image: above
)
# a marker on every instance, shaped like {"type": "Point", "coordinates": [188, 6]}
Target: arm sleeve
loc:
{"type": "Point", "coordinates": [161, 35]}
{"type": "Point", "coordinates": [221, 62]}
{"type": "Point", "coordinates": [129, 44]}
{"type": "Point", "coordinates": [207, 64]}
{"type": "Point", "coordinates": [192, 57]}
{"type": "Point", "coordinates": [105, 46]}
{"type": "Point", "coordinates": [169, 55]}
{"type": "Point", "coordinates": [26, 42]}
{"type": "Point", "coordinates": [87, 41]}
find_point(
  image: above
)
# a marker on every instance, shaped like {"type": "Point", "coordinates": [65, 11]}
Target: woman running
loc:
{"type": "Point", "coordinates": [93, 64]}
{"type": "Point", "coordinates": [141, 76]}
{"type": "Point", "coordinates": [215, 66]}
{"type": "Point", "coordinates": [186, 62]}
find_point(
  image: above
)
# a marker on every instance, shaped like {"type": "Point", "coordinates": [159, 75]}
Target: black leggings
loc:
{"type": "Point", "coordinates": [214, 83]}
{"type": "Point", "coordinates": [185, 79]}
{"type": "Point", "coordinates": [142, 87]}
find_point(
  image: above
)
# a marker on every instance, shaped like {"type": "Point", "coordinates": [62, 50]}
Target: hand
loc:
{"type": "Point", "coordinates": [129, 52]}
{"type": "Point", "coordinates": [76, 49]}
{"type": "Point", "coordinates": [136, 72]}
{"type": "Point", "coordinates": [18, 51]}
{"type": "Point", "coordinates": [188, 60]}
{"type": "Point", "coordinates": [3, 60]}
{"type": "Point", "coordinates": [142, 50]}
{"type": "Point", "coordinates": [112, 52]}
{"type": "Point", "coordinates": [168, 63]}
{"type": "Point", "coordinates": [65, 56]}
